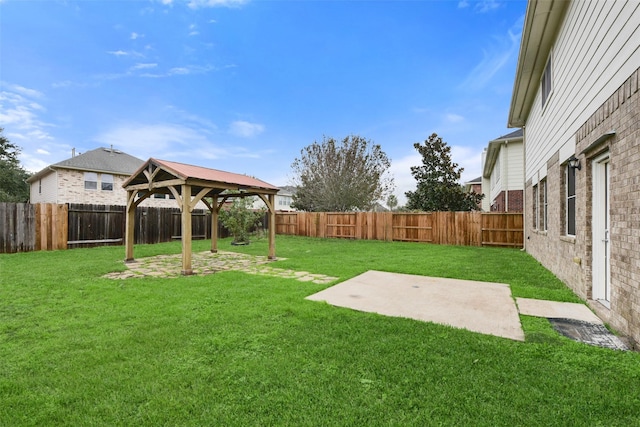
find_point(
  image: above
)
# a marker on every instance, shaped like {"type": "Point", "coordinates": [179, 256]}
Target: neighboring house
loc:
{"type": "Point", "coordinates": [284, 198]}
{"type": "Point", "coordinates": [503, 174]}
{"type": "Point", "coordinates": [475, 186]}
{"type": "Point", "coordinates": [94, 177]}
{"type": "Point", "coordinates": [576, 96]}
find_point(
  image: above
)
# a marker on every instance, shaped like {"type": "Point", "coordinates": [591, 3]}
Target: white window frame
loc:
{"type": "Point", "coordinates": [535, 206]}
{"type": "Point", "coordinates": [91, 181]}
{"type": "Point", "coordinates": [544, 200]}
{"type": "Point", "coordinates": [568, 199]}
{"type": "Point", "coordinates": [106, 182]}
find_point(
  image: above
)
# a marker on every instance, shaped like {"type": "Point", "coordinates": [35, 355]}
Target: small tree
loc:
{"type": "Point", "coordinates": [239, 218]}
{"type": "Point", "coordinates": [13, 179]}
{"type": "Point", "coordinates": [392, 202]}
{"type": "Point", "coordinates": [341, 176]}
{"type": "Point", "coordinates": [438, 179]}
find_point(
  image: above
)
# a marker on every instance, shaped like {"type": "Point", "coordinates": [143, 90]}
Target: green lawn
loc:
{"type": "Point", "coordinates": [239, 349]}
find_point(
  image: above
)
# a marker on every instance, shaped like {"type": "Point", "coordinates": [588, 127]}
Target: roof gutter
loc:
{"type": "Point", "coordinates": [541, 24]}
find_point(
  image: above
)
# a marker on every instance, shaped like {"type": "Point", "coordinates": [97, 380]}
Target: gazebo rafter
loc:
{"type": "Point", "coordinates": [190, 184]}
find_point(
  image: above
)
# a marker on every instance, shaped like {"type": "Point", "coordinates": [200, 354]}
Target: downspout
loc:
{"type": "Point", "coordinates": [506, 177]}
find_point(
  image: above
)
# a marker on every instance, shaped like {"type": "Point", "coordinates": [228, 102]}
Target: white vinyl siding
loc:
{"type": "Point", "coordinates": [514, 167]}
{"type": "Point", "coordinates": [44, 190]}
{"type": "Point", "coordinates": [507, 170]}
{"type": "Point", "coordinates": [595, 52]}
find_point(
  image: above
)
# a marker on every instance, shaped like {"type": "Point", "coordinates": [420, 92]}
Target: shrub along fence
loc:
{"type": "Point", "coordinates": [447, 228]}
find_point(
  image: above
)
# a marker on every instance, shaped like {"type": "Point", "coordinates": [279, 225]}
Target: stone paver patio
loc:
{"type": "Point", "coordinates": [204, 263]}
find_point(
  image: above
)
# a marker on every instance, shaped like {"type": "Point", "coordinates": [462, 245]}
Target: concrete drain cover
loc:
{"type": "Point", "coordinates": [588, 333]}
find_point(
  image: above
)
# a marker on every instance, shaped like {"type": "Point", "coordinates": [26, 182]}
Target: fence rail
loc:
{"type": "Point", "coordinates": [45, 226]}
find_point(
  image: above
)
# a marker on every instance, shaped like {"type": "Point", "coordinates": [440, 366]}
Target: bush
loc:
{"type": "Point", "coordinates": [239, 218]}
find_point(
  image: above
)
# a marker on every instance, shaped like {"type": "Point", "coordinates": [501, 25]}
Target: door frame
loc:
{"type": "Point", "coordinates": [601, 223]}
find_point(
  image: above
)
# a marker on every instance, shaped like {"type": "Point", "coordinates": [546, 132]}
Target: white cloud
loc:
{"type": "Point", "coordinates": [401, 171]}
{"type": "Point", "coordinates": [454, 118]}
{"type": "Point", "coordinates": [192, 141]}
{"type": "Point", "coordinates": [245, 129]}
{"type": "Point", "coordinates": [196, 4]}
{"type": "Point", "coordinates": [21, 116]}
{"type": "Point", "coordinates": [480, 6]}
{"type": "Point", "coordinates": [143, 66]}
{"type": "Point", "coordinates": [148, 139]}
{"type": "Point", "coordinates": [65, 83]}
{"type": "Point", "coordinates": [21, 113]}
{"type": "Point", "coordinates": [486, 6]}
{"type": "Point", "coordinates": [495, 57]}
{"type": "Point", "coordinates": [179, 70]}
{"type": "Point", "coordinates": [118, 53]}
{"type": "Point", "coordinates": [135, 36]}
{"type": "Point", "coordinates": [32, 93]}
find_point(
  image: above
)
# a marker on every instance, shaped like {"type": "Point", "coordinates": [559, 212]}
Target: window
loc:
{"type": "Point", "coordinates": [284, 201]}
{"type": "Point", "coordinates": [90, 181]}
{"type": "Point", "coordinates": [39, 186]}
{"type": "Point", "coordinates": [158, 196]}
{"type": "Point", "coordinates": [546, 83]}
{"type": "Point", "coordinates": [107, 182]}
{"type": "Point", "coordinates": [535, 207]}
{"type": "Point", "coordinates": [571, 200]}
{"type": "Point", "coordinates": [543, 205]}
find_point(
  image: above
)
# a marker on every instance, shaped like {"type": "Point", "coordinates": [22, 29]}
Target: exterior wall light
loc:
{"type": "Point", "coordinates": [575, 163]}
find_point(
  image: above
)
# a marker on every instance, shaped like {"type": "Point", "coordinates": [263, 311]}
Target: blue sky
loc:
{"type": "Point", "coordinates": [245, 85]}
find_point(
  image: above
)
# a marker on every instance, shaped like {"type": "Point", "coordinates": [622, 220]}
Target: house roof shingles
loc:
{"type": "Point", "coordinates": [104, 160]}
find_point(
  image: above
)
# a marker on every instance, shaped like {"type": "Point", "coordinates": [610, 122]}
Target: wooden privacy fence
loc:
{"type": "Point", "coordinates": [447, 228]}
{"type": "Point", "coordinates": [25, 227]}
{"type": "Point", "coordinates": [93, 225]}
{"type": "Point", "coordinates": [47, 226]}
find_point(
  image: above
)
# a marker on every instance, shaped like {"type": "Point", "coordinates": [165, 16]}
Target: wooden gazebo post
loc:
{"type": "Point", "coordinates": [130, 225]}
{"type": "Point", "coordinates": [186, 230]}
{"type": "Point", "coordinates": [272, 226]}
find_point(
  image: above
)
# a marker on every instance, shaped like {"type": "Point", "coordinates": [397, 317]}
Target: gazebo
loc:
{"type": "Point", "coordinates": [189, 185]}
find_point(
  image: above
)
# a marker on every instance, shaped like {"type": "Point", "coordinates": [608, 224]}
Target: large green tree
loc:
{"type": "Point", "coordinates": [438, 187]}
{"type": "Point", "coordinates": [13, 179]}
{"type": "Point", "coordinates": [333, 176]}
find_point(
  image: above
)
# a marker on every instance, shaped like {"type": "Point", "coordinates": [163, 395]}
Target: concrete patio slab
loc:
{"type": "Point", "coordinates": [482, 307]}
{"type": "Point", "coordinates": [556, 310]}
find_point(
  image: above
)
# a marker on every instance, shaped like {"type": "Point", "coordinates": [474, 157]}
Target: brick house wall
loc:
{"type": "Point", "coordinates": [71, 190]}
{"type": "Point", "coordinates": [571, 257]}
{"type": "Point", "coordinates": [477, 189]}
{"type": "Point", "coordinates": [515, 202]}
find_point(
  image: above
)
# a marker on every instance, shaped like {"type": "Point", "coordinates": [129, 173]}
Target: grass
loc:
{"type": "Point", "coordinates": [238, 349]}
